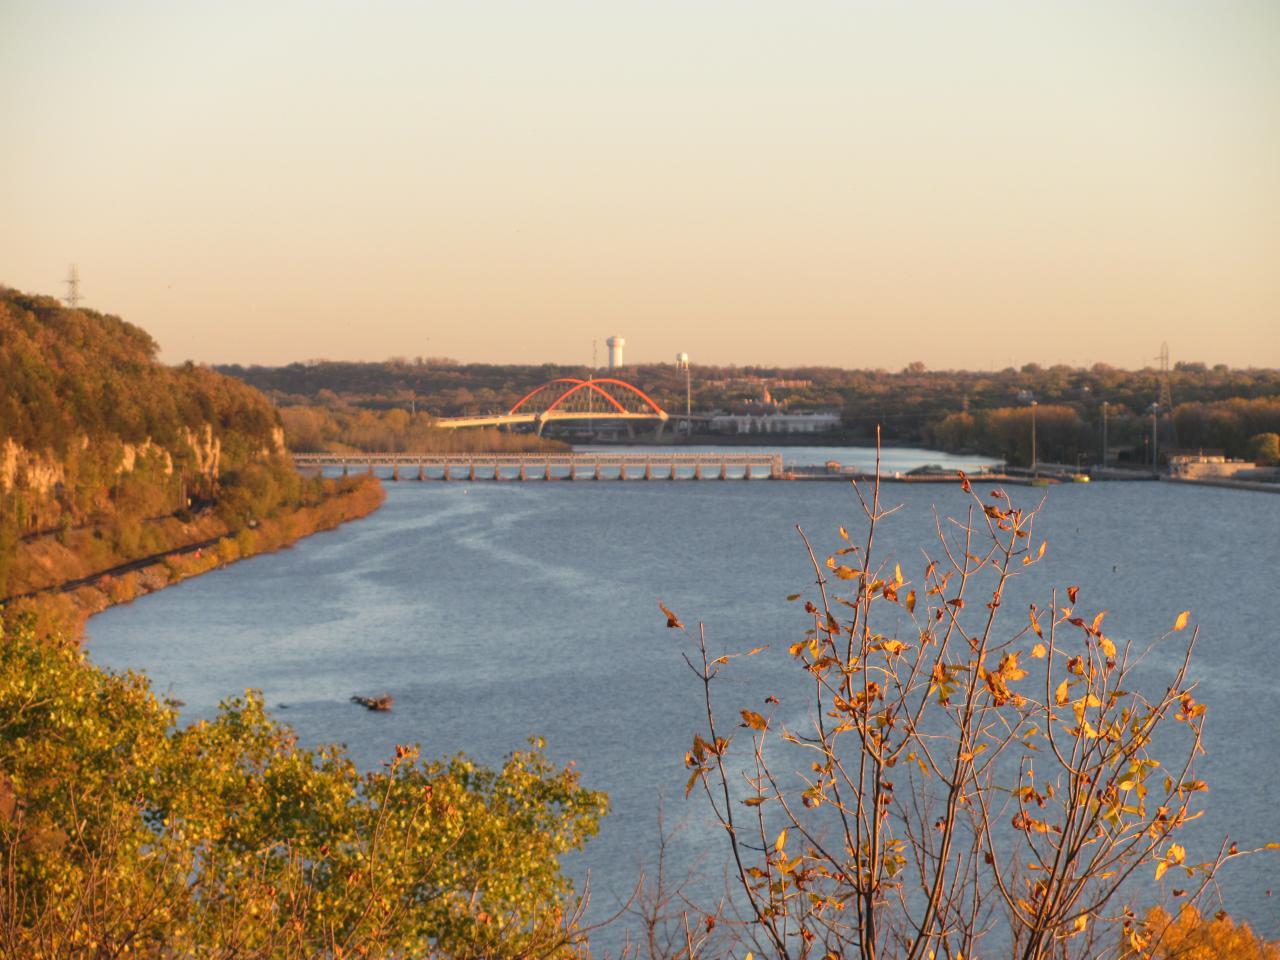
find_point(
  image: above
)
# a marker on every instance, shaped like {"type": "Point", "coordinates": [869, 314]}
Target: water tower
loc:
{"type": "Point", "coordinates": [615, 345]}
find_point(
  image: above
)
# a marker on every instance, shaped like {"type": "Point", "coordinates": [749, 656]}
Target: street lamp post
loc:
{"type": "Point", "coordinates": [688, 400]}
{"type": "Point", "coordinates": [1104, 434]}
{"type": "Point", "coordinates": [1155, 422]}
{"type": "Point", "coordinates": [1033, 438]}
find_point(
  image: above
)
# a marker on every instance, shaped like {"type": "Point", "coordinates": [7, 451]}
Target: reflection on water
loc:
{"type": "Point", "coordinates": [496, 611]}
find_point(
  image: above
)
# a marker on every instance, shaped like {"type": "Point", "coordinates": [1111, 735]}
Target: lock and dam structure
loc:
{"type": "Point", "coordinates": [576, 466]}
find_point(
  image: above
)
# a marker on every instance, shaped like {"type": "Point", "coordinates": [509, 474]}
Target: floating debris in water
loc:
{"type": "Point", "coordinates": [375, 703]}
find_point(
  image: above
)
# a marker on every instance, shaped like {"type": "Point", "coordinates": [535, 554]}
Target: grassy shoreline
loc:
{"type": "Point", "coordinates": [64, 607]}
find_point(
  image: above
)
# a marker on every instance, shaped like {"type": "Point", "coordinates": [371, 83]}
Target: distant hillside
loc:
{"type": "Point", "coordinates": [107, 456]}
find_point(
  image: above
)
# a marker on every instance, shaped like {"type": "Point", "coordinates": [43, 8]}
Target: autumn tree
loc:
{"type": "Point", "coordinates": [969, 780]}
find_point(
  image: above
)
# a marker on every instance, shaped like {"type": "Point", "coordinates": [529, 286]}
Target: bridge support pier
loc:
{"type": "Point", "coordinates": [546, 473]}
{"type": "Point", "coordinates": [395, 471]}
{"type": "Point", "coordinates": [746, 474]}
{"type": "Point", "coordinates": [522, 476]}
{"type": "Point", "coordinates": [422, 472]}
{"type": "Point", "coordinates": [497, 472]}
{"type": "Point", "coordinates": [672, 475]}
{"type": "Point", "coordinates": [648, 470]}
{"type": "Point", "coordinates": [446, 472]}
{"type": "Point", "coordinates": [344, 469]}
{"type": "Point", "coordinates": [471, 473]}
{"type": "Point", "coordinates": [622, 471]}
{"type": "Point", "coordinates": [697, 471]}
{"type": "Point", "coordinates": [573, 471]}
{"type": "Point", "coordinates": [724, 471]}
{"type": "Point", "coordinates": [597, 473]}
{"type": "Point", "coordinates": [370, 470]}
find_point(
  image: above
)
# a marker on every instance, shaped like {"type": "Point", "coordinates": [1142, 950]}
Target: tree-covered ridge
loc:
{"type": "Point", "coordinates": [70, 374]}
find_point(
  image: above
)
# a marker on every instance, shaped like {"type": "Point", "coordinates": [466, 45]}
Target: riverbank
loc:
{"type": "Point", "coordinates": [64, 604]}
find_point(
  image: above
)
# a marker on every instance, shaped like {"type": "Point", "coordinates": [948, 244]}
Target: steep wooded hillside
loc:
{"type": "Point", "coordinates": [108, 456]}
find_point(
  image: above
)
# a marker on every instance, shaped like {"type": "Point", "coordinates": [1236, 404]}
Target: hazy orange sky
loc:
{"type": "Point", "coordinates": [970, 184]}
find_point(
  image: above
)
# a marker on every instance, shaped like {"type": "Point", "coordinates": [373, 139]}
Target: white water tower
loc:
{"type": "Point", "coordinates": [615, 345]}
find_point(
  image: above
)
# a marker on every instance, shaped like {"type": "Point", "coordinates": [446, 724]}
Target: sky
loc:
{"type": "Point", "coordinates": [859, 184]}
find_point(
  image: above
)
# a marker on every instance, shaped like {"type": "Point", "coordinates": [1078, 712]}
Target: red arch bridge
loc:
{"type": "Point", "coordinates": [569, 398]}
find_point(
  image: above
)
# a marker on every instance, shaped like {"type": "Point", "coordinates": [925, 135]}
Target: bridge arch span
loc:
{"type": "Point", "coordinates": [565, 388]}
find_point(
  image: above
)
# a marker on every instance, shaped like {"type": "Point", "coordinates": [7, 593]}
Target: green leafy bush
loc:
{"type": "Point", "coordinates": [123, 834]}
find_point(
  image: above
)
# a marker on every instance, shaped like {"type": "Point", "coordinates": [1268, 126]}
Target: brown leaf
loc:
{"type": "Point", "coordinates": [673, 622]}
{"type": "Point", "coordinates": [753, 720]}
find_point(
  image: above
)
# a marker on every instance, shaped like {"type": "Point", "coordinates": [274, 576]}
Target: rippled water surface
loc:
{"type": "Point", "coordinates": [496, 611]}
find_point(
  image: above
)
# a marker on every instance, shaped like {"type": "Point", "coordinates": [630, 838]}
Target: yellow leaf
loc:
{"type": "Point", "coordinates": [753, 720]}
{"type": "Point", "coordinates": [1060, 695]}
{"type": "Point", "coordinates": [897, 574]}
{"type": "Point", "coordinates": [1108, 647]}
{"type": "Point", "coordinates": [1161, 867]}
{"type": "Point", "coordinates": [1038, 651]}
{"type": "Point", "coordinates": [844, 573]}
{"type": "Point", "coordinates": [781, 841]}
{"type": "Point", "coordinates": [1035, 624]}
{"type": "Point", "coordinates": [1082, 921]}
{"type": "Point", "coordinates": [1177, 853]}
{"type": "Point", "coordinates": [911, 602]}
{"type": "Point", "coordinates": [1182, 620]}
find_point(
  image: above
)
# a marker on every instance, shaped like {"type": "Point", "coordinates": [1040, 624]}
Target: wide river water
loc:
{"type": "Point", "coordinates": [496, 611]}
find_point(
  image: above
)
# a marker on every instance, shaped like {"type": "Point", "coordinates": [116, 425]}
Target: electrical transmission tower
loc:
{"type": "Point", "coordinates": [73, 298]}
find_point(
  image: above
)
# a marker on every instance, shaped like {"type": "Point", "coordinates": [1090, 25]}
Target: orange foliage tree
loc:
{"type": "Point", "coordinates": [965, 780]}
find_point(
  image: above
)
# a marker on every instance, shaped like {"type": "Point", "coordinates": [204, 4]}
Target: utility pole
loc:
{"type": "Point", "coordinates": [688, 398]}
{"type": "Point", "coordinates": [1104, 434]}
{"type": "Point", "coordinates": [1155, 423]}
{"type": "Point", "coordinates": [1033, 439]}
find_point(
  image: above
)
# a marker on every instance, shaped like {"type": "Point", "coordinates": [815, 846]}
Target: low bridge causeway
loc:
{"type": "Point", "coordinates": [545, 467]}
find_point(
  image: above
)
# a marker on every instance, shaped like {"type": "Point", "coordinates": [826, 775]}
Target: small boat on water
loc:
{"type": "Point", "coordinates": [380, 704]}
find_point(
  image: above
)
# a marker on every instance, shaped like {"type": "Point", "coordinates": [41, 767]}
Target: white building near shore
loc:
{"type": "Point", "coordinates": [775, 422]}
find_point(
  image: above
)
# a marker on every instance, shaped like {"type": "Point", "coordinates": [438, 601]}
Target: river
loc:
{"type": "Point", "coordinates": [495, 611]}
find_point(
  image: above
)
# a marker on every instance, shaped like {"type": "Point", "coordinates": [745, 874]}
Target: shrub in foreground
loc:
{"type": "Point", "coordinates": [121, 834]}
